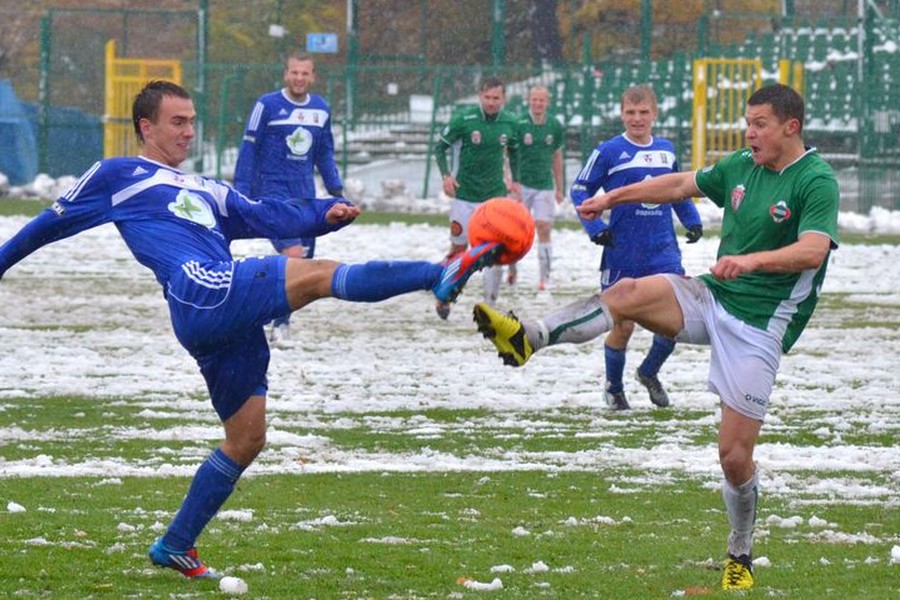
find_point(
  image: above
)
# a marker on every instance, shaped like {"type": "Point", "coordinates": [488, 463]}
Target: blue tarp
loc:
{"type": "Point", "coordinates": [74, 139]}
{"type": "Point", "coordinates": [18, 150]}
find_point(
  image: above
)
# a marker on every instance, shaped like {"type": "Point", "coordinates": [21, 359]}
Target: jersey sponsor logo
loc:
{"type": "Point", "coordinates": [194, 208]}
{"type": "Point", "coordinates": [780, 211]}
{"type": "Point", "coordinates": [475, 137]}
{"type": "Point", "coordinates": [138, 171]}
{"type": "Point", "coordinates": [528, 139]}
{"type": "Point", "coordinates": [737, 197]}
{"type": "Point", "coordinates": [624, 156]}
{"type": "Point", "coordinates": [299, 142]}
{"type": "Point", "coordinates": [58, 208]}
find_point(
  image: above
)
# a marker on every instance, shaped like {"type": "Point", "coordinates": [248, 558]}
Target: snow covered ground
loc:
{"type": "Point", "coordinates": [80, 317]}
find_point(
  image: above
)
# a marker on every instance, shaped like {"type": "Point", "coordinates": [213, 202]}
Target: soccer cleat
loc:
{"type": "Point", "coordinates": [506, 332]}
{"type": "Point", "coordinates": [658, 395]}
{"type": "Point", "coordinates": [616, 400]}
{"type": "Point", "coordinates": [457, 272]}
{"type": "Point", "coordinates": [738, 573]}
{"type": "Point", "coordinates": [185, 562]}
{"type": "Point", "coordinates": [442, 309]}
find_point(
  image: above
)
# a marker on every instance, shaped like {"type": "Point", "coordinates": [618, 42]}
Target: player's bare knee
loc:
{"type": "Point", "coordinates": [620, 297]}
{"type": "Point", "coordinates": [737, 465]}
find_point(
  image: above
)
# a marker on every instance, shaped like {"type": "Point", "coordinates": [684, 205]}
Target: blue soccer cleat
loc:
{"type": "Point", "coordinates": [457, 272]}
{"type": "Point", "coordinates": [186, 562]}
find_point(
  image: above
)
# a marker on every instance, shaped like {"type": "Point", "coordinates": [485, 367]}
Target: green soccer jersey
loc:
{"type": "Point", "coordinates": [537, 145]}
{"type": "Point", "coordinates": [767, 210]}
{"type": "Point", "coordinates": [484, 142]}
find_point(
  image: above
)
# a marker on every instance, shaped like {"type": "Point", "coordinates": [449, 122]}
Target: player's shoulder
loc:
{"type": "Point", "coordinates": [318, 101]}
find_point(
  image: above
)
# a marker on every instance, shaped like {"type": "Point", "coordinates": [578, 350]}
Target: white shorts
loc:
{"type": "Point", "coordinates": [541, 203]}
{"type": "Point", "coordinates": [460, 212]}
{"type": "Point", "coordinates": [744, 358]}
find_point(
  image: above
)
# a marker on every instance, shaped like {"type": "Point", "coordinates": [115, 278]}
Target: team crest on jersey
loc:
{"type": "Point", "coordinates": [475, 137]}
{"type": "Point", "coordinates": [737, 197]}
{"type": "Point", "coordinates": [528, 139]}
{"type": "Point", "coordinates": [299, 142]}
{"type": "Point", "coordinates": [194, 208]}
{"type": "Point", "coordinates": [780, 211]}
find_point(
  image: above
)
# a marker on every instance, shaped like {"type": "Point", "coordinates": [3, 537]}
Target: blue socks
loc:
{"type": "Point", "coordinates": [660, 350]}
{"type": "Point", "coordinates": [615, 367]}
{"type": "Point", "coordinates": [379, 279]}
{"type": "Point", "coordinates": [212, 484]}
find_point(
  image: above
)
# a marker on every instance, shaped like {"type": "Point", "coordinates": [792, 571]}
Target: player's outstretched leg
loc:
{"type": "Point", "coordinates": [516, 341]}
{"type": "Point", "coordinates": [457, 272]}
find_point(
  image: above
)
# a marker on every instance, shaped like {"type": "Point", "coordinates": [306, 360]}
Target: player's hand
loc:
{"type": "Point", "coordinates": [341, 212]}
{"type": "Point", "coordinates": [593, 207]}
{"type": "Point", "coordinates": [730, 267]}
{"type": "Point", "coordinates": [694, 233]}
{"type": "Point", "coordinates": [448, 182]}
{"type": "Point", "coordinates": [604, 238]}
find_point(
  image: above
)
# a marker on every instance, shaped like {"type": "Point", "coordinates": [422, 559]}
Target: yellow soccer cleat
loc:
{"type": "Point", "coordinates": [738, 573]}
{"type": "Point", "coordinates": [506, 332]}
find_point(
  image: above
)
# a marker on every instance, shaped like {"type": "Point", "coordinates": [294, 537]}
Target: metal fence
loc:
{"type": "Point", "coordinates": [393, 112]}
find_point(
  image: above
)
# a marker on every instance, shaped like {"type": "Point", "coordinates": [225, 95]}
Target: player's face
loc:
{"type": "Point", "coordinates": [492, 100]}
{"type": "Point", "coordinates": [299, 75]}
{"type": "Point", "coordinates": [168, 139]}
{"type": "Point", "coordinates": [767, 136]}
{"type": "Point", "coordinates": [638, 118]}
{"type": "Point", "coordinates": [538, 101]}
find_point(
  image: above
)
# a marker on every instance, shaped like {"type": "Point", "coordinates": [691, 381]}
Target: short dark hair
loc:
{"type": "Point", "coordinates": [491, 81]}
{"type": "Point", "coordinates": [786, 103]}
{"type": "Point", "coordinates": [146, 103]}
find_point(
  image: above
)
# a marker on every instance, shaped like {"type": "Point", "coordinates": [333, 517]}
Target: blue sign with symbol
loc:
{"type": "Point", "coordinates": [322, 42]}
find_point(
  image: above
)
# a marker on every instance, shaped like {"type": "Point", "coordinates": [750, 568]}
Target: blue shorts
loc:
{"type": "Point", "coordinates": [218, 312]}
{"type": "Point", "coordinates": [608, 277]}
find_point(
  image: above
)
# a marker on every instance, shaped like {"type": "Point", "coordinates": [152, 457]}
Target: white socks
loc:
{"type": "Point", "coordinates": [575, 323]}
{"type": "Point", "coordinates": [740, 502]}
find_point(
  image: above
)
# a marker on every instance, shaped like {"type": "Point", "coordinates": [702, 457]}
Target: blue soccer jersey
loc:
{"type": "Point", "coordinates": [643, 234]}
{"type": "Point", "coordinates": [166, 217]}
{"type": "Point", "coordinates": [284, 143]}
{"type": "Point", "coordinates": [180, 226]}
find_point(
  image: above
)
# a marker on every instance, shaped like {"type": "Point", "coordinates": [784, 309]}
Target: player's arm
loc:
{"type": "Point", "coordinates": [326, 164]}
{"type": "Point", "coordinates": [63, 219]}
{"type": "Point", "coordinates": [275, 218]}
{"type": "Point", "coordinates": [557, 168]}
{"type": "Point", "coordinates": [246, 163]}
{"type": "Point", "coordinates": [665, 189]}
{"type": "Point", "coordinates": [587, 183]}
{"type": "Point", "coordinates": [445, 141]}
{"type": "Point", "coordinates": [806, 253]}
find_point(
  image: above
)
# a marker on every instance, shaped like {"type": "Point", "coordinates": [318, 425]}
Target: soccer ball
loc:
{"type": "Point", "coordinates": [506, 221]}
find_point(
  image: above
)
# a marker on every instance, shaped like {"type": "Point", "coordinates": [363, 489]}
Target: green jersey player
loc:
{"type": "Point", "coordinates": [485, 136]}
{"type": "Point", "coordinates": [780, 202]}
{"type": "Point", "coordinates": [541, 137]}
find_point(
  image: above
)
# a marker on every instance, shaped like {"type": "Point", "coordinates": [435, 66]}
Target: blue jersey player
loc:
{"type": "Point", "coordinates": [288, 137]}
{"type": "Point", "coordinates": [180, 225]}
{"type": "Point", "coordinates": [639, 239]}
